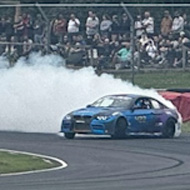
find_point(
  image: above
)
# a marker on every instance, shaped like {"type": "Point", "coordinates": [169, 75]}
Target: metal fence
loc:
{"type": "Point", "coordinates": [106, 36]}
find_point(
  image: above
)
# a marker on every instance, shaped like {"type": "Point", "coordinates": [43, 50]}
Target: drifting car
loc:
{"type": "Point", "coordinates": [122, 115]}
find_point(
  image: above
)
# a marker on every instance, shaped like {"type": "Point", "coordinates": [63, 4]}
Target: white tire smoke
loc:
{"type": "Point", "coordinates": [37, 93]}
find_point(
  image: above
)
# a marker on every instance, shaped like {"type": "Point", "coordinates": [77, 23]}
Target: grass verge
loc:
{"type": "Point", "coordinates": [169, 79]}
{"type": "Point", "coordinates": [11, 162]}
{"type": "Point", "coordinates": [186, 127]}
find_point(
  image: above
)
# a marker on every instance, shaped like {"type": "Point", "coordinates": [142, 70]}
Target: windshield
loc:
{"type": "Point", "coordinates": [113, 101]}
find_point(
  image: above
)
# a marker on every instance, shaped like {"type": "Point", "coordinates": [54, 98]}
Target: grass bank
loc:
{"type": "Point", "coordinates": [158, 79]}
{"type": "Point", "coordinates": [11, 162]}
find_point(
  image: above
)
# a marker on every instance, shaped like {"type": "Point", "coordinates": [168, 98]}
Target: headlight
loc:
{"type": "Point", "coordinates": [115, 113]}
{"type": "Point", "coordinates": [68, 117]}
{"type": "Point", "coordinates": [101, 117]}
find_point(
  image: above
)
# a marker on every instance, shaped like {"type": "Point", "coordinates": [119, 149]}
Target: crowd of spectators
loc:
{"type": "Point", "coordinates": [103, 42]}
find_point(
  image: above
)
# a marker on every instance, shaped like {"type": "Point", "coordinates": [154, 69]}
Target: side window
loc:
{"type": "Point", "coordinates": [143, 103]}
{"type": "Point", "coordinates": [156, 105]}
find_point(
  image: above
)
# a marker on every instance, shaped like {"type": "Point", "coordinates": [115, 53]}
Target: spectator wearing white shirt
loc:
{"type": "Point", "coordinates": [139, 26]}
{"type": "Point", "coordinates": [92, 25]}
{"type": "Point", "coordinates": [73, 26]}
{"type": "Point", "coordinates": [151, 49]}
{"type": "Point", "coordinates": [177, 24]}
{"type": "Point", "coordinates": [105, 26]}
{"type": "Point", "coordinates": [148, 24]}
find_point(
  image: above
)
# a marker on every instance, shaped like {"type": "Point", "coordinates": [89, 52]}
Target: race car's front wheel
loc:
{"type": "Point", "coordinates": [120, 129]}
{"type": "Point", "coordinates": [69, 135]}
{"type": "Point", "coordinates": [169, 129]}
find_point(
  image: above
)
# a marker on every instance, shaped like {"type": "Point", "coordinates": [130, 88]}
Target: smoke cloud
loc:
{"type": "Point", "coordinates": [38, 92]}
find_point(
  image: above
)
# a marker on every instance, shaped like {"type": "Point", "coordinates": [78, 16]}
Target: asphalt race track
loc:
{"type": "Point", "coordinates": [96, 163]}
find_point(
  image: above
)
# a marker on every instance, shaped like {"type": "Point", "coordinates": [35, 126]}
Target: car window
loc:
{"type": "Point", "coordinates": [143, 103]}
{"type": "Point", "coordinates": [156, 105]}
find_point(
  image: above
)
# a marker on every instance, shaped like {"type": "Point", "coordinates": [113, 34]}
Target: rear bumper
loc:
{"type": "Point", "coordinates": [177, 129]}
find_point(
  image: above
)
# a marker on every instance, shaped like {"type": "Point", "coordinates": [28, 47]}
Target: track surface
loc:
{"type": "Point", "coordinates": [103, 164]}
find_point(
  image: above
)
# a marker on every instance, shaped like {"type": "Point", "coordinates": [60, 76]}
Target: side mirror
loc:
{"type": "Point", "coordinates": [88, 106]}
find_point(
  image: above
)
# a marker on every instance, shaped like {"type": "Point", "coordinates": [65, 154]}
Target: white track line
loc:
{"type": "Point", "coordinates": [62, 163]}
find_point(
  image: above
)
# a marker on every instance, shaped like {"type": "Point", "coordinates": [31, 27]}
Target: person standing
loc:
{"type": "Point", "coordinates": [177, 24]}
{"type": "Point", "coordinates": [166, 24]}
{"type": "Point", "coordinates": [148, 24]}
{"type": "Point", "coordinates": [73, 26]}
{"type": "Point", "coordinates": [139, 26]}
{"type": "Point", "coordinates": [92, 25]}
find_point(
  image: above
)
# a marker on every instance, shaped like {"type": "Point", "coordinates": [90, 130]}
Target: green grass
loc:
{"type": "Point", "coordinates": [170, 79]}
{"type": "Point", "coordinates": [14, 162]}
{"type": "Point", "coordinates": [186, 127]}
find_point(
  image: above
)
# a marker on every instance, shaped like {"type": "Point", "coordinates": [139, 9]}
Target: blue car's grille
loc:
{"type": "Point", "coordinates": [82, 123]}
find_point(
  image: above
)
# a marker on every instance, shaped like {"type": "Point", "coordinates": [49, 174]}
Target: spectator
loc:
{"type": "Point", "coordinates": [6, 27]}
{"type": "Point", "coordinates": [59, 27]}
{"type": "Point", "coordinates": [79, 39]}
{"type": "Point", "coordinates": [170, 55]}
{"type": "Point", "coordinates": [166, 24]}
{"type": "Point", "coordinates": [116, 46]}
{"type": "Point", "coordinates": [65, 40]}
{"type": "Point", "coordinates": [73, 26]}
{"type": "Point", "coordinates": [105, 26]}
{"type": "Point", "coordinates": [9, 31]}
{"type": "Point", "coordinates": [12, 52]}
{"type": "Point", "coordinates": [183, 39]}
{"type": "Point", "coordinates": [125, 25]}
{"type": "Point", "coordinates": [104, 52]}
{"type": "Point", "coordinates": [139, 26]}
{"type": "Point", "coordinates": [96, 44]}
{"type": "Point", "coordinates": [143, 40]}
{"type": "Point", "coordinates": [151, 49]}
{"type": "Point", "coordinates": [3, 26]}
{"type": "Point", "coordinates": [76, 55]}
{"type": "Point", "coordinates": [64, 47]}
{"type": "Point", "coordinates": [27, 46]}
{"type": "Point", "coordinates": [27, 23]}
{"type": "Point", "coordinates": [123, 57]}
{"type": "Point", "coordinates": [177, 24]}
{"type": "Point", "coordinates": [178, 57]}
{"type": "Point", "coordinates": [19, 28]}
{"type": "Point", "coordinates": [148, 24]}
{"type": "Point", "coordinates": [39, 29]}
{"type": "Point", "coordinates": [92, 25]}
{"type": "Point", "coordinates": [115, 27]}
{"type": "Point", "coordinates": [3, 46]}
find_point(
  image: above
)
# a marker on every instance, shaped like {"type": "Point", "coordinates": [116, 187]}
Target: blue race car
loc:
{"type": "Point", "coordinates": [122, 115]}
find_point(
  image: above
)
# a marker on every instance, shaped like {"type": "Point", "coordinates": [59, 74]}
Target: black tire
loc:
{"type": "Point", "coordinates": [120, 129]}
{"type": "Point", "coordinates": [169, 129]}
{"type": "Point", "coordinates": [69, 135]}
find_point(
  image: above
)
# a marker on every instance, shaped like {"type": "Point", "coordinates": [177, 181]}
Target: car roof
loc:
{"type": "Point", "coordinates": [130, 95]}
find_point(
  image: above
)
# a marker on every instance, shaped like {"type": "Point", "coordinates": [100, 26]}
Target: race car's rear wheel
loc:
{"type": "Point", "coordinates": [169, 129]}
{"type": "Point", "coordinates": [120, 129]}
{"type": "Point", "coordinates": [69, 135]}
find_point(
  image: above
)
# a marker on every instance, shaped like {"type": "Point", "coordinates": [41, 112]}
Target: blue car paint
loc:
{"type": "Point", "coordinates": [142, 120]}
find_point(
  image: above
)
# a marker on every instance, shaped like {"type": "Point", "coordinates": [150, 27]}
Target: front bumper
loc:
{"type": "Point", "coordinates": [102, 127]}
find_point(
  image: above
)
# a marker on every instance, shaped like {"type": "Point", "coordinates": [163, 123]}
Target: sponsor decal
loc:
{"type": "Point", "coordinates": [140, 118]}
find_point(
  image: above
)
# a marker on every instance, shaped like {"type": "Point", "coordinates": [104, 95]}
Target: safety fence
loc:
{"type": "Point", "coordinates": [106, 36]}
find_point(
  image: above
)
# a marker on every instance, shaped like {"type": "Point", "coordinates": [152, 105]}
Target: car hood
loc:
{"type": "Point", "coordinates": [92, 111]}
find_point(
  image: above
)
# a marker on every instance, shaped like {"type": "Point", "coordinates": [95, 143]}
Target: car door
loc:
{"type": "Point", "coordinates": [142, 117]}
{"type": "Point", "coordinates": [157, 110]}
